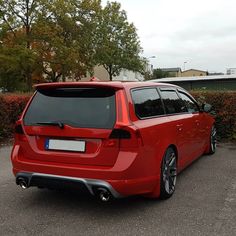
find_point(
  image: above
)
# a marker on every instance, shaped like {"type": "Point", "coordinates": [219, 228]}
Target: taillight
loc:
{"type": "Point", "coordinates": [122, 114]}
{"type": "Point", "coordinates": [19, 129]}
{"type": "Point", "coordinates": [116, 136]}
{"type": "Point", "coordinates": [120, 134]}
{"type": "Point", "coordinates": [125, 132]}
{"type": "Point", "coordinates": [19, 133]}
{"type": "Point", "coordinates": [128, 137]}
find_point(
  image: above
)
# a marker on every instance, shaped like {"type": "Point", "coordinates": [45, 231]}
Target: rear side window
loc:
{"type": "Point", "coordinates": [173, 104]}
{"type": "Point", "coordinates": [191, 105]}
{"type": "Point", "coordinates": [77, 107]}
{"type": "Point", "coordinates": [147, 103]}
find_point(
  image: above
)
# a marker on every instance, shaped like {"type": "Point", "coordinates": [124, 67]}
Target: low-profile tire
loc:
{"type": "Point", "coordinates": [168, 173]}
{"type": "Point", "coordinates": [212, 142]}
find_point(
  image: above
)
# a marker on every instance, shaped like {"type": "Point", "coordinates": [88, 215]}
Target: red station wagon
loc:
{"type": "Point", "coordinates": [113, 139]}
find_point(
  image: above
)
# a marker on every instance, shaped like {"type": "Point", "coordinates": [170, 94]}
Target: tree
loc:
{"type": "Point", "coordinates": [67, 45]}
{"type": "Point", "coordinates": [118, 45]}
{"type": "Point", "coordinates": [9, 77]}
{"type": "Point", "coordinates": [16, 20]}
{"type": "Point", "coordinates": [51, 40]}
{"type": "Point", "coordinates": [59, 35]}
{"type": "Point", "coordinates": [15, 63]}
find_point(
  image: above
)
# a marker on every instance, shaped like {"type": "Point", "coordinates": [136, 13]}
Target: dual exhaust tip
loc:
{"type": "Point", "coordinates": [22, 182]}
{"type": "Point", "coordinates": [102, 193]}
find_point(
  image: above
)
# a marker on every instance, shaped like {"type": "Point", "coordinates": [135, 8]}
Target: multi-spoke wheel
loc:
{"type": "Point", "coordinates": [212, 148]}
{"type": "Point", "coordinates": [168, 174]}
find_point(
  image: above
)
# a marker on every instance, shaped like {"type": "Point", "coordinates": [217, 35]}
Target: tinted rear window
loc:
{"type": "Point", "coordinates": [173, 104]}
{"type": "Point", "coordinates": [77, 107]}
{"type": "Point", "coordinates": [147, 103]}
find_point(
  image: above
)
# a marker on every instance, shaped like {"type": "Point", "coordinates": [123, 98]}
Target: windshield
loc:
{"type": "Point", "coordinates": [77, 107]}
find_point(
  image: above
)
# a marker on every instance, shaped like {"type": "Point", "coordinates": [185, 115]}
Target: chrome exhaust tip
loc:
{"type": "Point", "coordinates": [104, 195]}
{"type": "Point", "coordinates": [22, 183]}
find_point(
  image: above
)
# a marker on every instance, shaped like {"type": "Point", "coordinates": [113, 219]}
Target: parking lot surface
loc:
{"type": "Point", "coordinates": [204, 204]}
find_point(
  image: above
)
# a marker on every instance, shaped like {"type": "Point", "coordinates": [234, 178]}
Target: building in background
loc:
{"type": "Point", "coordinates": [217, 82]}
{"type": "Point", "coordinates": [215, 73]}
{"type": "Point", "coordinates": [193, 72]}
{"type": "Point", "coordinates": [177, 72]}
{"type": "Point", "coordinates": [231, 71]}
{"type": "Point", "coordinates": [173, 72]}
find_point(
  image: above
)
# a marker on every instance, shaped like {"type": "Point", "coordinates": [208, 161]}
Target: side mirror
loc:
{"type": "Point", "coordinates": [207, 107]}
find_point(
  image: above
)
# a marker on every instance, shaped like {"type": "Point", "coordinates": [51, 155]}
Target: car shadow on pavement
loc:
{"type": "Point", "coordinates": [75, 203]}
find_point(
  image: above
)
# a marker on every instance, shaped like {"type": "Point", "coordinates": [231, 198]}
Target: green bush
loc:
{"type": "Point", "coordinates": [224, 104]}
{"type": "Point", "coordinates": [11, 106]}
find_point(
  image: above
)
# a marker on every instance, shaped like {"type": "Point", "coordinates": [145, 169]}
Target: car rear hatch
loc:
{"type": "Point", "coordinates": [72, 125]}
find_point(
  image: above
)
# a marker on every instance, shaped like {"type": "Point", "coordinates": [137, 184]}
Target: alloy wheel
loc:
{"type": "Point", "coordinates": [169, 172]}
{"type": "Point", "coordinates": [213, 139]}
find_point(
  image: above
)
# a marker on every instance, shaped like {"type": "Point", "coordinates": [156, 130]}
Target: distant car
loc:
{"type": "Point", "coordinates": [113, 139]}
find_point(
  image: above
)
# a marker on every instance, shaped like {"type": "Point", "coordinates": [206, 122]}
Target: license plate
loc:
{"type": "Point", "coordinates": [65, 145]}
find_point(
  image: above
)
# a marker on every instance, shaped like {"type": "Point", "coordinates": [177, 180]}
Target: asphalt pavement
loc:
{"type": "Point", "coordinates": [204, 204]}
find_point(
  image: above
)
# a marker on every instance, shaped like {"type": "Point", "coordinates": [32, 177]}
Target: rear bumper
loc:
{"type": "Point", "coordinates": [129, 176]}
{"type": "Point", "coordinates": [46, 180]}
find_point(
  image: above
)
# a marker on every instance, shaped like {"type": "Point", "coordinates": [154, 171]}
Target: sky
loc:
{"type": "Point", "coordinates": [195, 34]}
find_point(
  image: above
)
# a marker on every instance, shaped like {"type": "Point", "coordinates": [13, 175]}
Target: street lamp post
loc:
{"type": "Point", "coordinates": [184, 64]}
{"type": "Point", "coordinates": [151, 57]}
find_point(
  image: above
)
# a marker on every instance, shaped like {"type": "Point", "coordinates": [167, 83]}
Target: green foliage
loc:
{"type": "Point", "coordinates": [9, 71]}
{"type": "Point", "coordinates": [224, 104]}
{"type": "Point", "coordinates": [118, 45]}
{"type": "Point", "coordinates": [16, 25]}
{"type": "Point", "coordinates": [66, 46]}
{"type": "Point", "coordinates": [52, 37]}
{"type": "Point", "coordinates": [16, 64]}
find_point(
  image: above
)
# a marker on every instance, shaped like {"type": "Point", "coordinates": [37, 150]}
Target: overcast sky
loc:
{"type": "Point", "coordinates": [199, 32]}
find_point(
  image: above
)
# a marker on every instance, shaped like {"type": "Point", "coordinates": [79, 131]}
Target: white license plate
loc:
{"type": "Point", "coordinates": [65, 145]}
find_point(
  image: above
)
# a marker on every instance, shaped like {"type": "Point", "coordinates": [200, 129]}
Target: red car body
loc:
{"type": "Point", "coordinates": [124, 159]}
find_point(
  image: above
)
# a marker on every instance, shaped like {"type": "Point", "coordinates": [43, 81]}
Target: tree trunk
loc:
{"type": "Point", "coordinates": [29, 82]}
{"type": "Point", "coordinates": [110, 72]}
{"type": "Point", "coordinates": [110, 76]}
{"type": "Point", "coordinates": [108, 68]}
{"type": "Point", "coordinates": [27, 29]}
{"type": "Point", "coordinates": [27, 25]}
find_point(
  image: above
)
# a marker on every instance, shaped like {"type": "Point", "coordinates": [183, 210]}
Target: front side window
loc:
{"type": "Point", "coordinates": [77, 107]}
{"type": "Point", "coordinates": [147, 103]}
{"type": "Point", "coordinates": [173, 104]}
{"type": "Point", "coordinates": [191, 105]}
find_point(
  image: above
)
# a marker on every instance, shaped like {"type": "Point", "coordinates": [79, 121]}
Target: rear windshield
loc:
{"type": "Point", "coordinates": [77, 107]}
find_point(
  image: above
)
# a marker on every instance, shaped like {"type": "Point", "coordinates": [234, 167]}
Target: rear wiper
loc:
{"type": "Point", "coordinates": [60, 124]}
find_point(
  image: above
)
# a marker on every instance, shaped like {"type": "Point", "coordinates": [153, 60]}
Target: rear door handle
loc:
{"type": "Point", "coordinates": [179, 127]}
{"type": "Point", "coordinates": [197, 122]}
